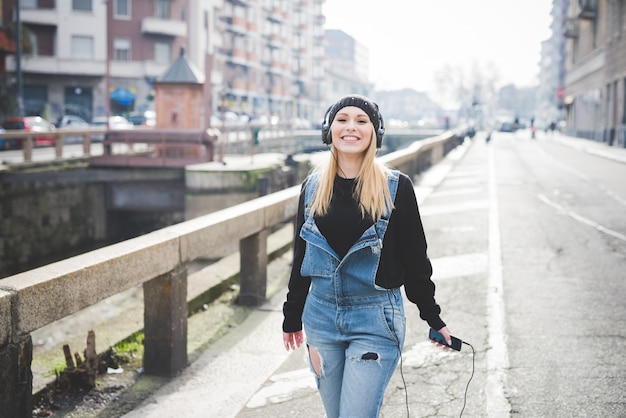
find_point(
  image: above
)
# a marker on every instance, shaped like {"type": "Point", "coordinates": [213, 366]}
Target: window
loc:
{"type": "Point", "coordinates": [121, 49]}
{"type": "Point", "coordinates": [82, 47]}
{"type": "Point", "coordinates": [28, 4]}
{"type": "Point", "coordinates": [121, 9]}
{"type": "Point", "coordinates": [84, 5]}
{"type": "Point", "coordinates": [162, 52]}
{"type": "Point", "coordinates": [164, 9]}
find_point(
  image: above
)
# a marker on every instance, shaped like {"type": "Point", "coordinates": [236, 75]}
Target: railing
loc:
{"type": "Point", "coordinates": [158, 261]}
{"type": "Point", "coordinates": [188, 146]}
{"type": "Point", "coordinates": [27, 139]}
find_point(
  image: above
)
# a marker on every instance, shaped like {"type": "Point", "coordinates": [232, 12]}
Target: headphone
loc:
{"type": "Point", "coordinates": [327, 136]}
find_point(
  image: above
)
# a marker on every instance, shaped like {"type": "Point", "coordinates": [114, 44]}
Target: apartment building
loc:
{"type": "Point", "coordinates": [90, 57]}
{"type": "Point", "coordinates": [552, 72]}
{"type": "Point", "coordinates": [595, 83]}
{"type": "Point", "coordinates": [348, 69]}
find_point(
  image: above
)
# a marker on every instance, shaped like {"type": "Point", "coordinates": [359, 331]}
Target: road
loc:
{"type": "Point", "coordinates": [563, 242]}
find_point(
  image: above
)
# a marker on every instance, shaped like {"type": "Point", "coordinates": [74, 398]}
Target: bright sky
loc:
{"type": "Point", "coordinates": [410, 40]}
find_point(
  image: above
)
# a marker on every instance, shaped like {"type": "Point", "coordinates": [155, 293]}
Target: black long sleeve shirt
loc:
{"type": "Point", "coordinates": [404, 260]}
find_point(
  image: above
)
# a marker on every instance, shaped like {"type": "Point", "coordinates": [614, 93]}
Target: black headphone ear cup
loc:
{"type": "Point", "coordinates": [380, 132]}
{"type": "Point", "coordinates": [326, 136]}
{"type": "Point", "coordinates": [326, 139]}
{"type": "Point", "coordinates": [379, 137]}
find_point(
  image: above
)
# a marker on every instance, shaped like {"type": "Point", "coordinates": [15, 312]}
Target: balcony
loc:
{"type": "Point", "coordinates": [240, 3]}
{"type": "Point", "coordinates": [587, 9]}
{"type": "Point", "coordinates": [570, 29]}
{"type": "Point", "coordinates": [275, 15]}
{"type": "Point", "coordinates": [48, 17]}
{"type": "Point", "coordinates": [167, 27]}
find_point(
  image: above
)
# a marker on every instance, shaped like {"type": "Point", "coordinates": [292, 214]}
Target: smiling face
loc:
{"type": "Point", "coordinates": [351, 130]}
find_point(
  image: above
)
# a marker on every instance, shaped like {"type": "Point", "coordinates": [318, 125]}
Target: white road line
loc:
{"type": "Point", "coordinates": [452, 208]}
{"type": "Point", "coordinates": [497, 354]}
{"type": "Point", "coordinates": [580, 218]}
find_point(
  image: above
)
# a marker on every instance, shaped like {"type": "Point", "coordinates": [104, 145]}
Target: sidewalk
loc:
{"type": "Point", "coordinates": [600, 149]}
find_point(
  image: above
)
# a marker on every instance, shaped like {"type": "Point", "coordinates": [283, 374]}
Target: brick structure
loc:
{"type": "Point", "coordinates": [179, 96]}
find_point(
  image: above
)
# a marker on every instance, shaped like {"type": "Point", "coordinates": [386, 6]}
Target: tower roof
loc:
{"type": "Point", "coordinates": [182, 71]}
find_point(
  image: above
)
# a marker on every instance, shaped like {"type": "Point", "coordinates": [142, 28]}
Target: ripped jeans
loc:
{"type": "Point", "coordinates": [354, 347]}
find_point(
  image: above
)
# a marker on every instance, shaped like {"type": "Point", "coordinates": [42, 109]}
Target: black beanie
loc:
{"type": "Point", "coordinates": [362, 102]}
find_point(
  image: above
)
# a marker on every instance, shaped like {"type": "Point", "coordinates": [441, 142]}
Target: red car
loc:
{"type": "Point", "coordinates": [31, 124]}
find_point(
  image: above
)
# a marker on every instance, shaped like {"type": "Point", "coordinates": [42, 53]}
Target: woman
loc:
{"type": "Point", "coordinates": [359, 238]}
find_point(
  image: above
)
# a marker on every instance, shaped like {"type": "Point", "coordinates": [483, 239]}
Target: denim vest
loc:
{"type": "Point", "coordinates": [355, 274]}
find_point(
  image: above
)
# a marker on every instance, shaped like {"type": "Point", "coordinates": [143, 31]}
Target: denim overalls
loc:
{"type": "Point", "coordinates": [356, 326]}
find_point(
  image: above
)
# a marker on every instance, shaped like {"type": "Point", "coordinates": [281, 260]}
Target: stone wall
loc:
{"type": "Point", "coordinates": [41, 218]}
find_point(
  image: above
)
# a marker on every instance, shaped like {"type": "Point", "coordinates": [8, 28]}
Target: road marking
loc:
{"type": "Point", "coordinates": [459, 265]}
{"type": "Point", "coordinates": [580, 218]}
{"type": "Point", "coordinates": [497, 354]}
{"type": "Point", "coordinates": [457, 207]}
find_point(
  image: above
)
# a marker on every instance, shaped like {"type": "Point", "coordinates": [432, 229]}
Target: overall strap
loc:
{"type": "Point", "coordinates": [392, 181]}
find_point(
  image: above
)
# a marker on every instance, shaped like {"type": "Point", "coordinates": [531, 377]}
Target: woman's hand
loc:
{"type": "Point", "coordinates": [446, 334]}
{"type": "Point", "coordinates": [292, 340]}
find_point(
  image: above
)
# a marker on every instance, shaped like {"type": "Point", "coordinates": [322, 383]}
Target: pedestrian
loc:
{"type": "Point", "coordinates": [359, 238]}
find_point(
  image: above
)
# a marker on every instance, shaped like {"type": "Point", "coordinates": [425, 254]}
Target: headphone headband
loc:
{"type": "Point", "coordinates": [362, 102]}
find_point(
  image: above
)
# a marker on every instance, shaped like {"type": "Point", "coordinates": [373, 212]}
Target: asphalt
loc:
{"type": "Point", "coordinates": [247, 373]}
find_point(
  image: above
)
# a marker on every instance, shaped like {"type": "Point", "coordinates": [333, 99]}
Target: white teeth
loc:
{"type": "Point", "coordinates": [350, 138]}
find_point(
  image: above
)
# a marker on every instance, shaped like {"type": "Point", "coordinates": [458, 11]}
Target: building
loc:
{"type": "Point", "coordinates": [93, 57]}
{"type": "Point", "coordinates": [347, 66]}
{"type": "Point", "coordinates": [551, 93]}
{"type": "Point", "coordinates": [595, 82]}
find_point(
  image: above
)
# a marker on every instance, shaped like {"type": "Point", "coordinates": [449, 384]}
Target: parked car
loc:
{"type": "Point", "coordinates": [115, 122]}
{"type": "Point", "coordinates": [30, 124]}
{"type": "Point", "coordinates": [71, 122]}
{"type": "Point", "coordinates": [147, 118]}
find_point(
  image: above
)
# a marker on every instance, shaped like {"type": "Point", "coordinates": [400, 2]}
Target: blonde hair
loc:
{"type": "Point", "coordinates": [372, 189]}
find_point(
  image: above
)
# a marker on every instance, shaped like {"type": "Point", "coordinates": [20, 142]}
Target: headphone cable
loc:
{"type": "Point", "coordinates": [470, 379]}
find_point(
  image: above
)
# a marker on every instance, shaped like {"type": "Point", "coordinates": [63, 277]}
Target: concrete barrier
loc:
{"type": "Point", "coordinates": [158, 261]}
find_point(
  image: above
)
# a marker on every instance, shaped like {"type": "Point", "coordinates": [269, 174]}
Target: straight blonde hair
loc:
{"type": "Point", "coordinates": [372, 189]}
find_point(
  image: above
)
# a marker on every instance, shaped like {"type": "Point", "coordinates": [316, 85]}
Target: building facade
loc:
{"type": "Point", "coordinates": [552, 72]}
{"type": "Point", "coordinates": [595, 82]}
{"type": "Point", "coordinates": [93, 57]}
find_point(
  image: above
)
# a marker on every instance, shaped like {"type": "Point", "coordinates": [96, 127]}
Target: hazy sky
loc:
{"type": "Point", "coordinates": [410, 40]}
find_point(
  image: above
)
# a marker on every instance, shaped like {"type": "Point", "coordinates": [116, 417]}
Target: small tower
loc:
{"type": "Point", "coordinates": [179, 96]}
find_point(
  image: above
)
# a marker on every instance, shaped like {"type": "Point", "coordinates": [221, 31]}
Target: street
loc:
{"type": "Point", "coordinates": [528, 243]}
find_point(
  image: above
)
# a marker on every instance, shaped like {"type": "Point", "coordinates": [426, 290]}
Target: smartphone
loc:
{"type": "Point", "coordinates": [438, 338]}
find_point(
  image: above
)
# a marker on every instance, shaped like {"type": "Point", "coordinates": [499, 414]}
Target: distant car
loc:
{"type": "Point", "coordinates": [71, 122]}
{"type": "Point", "coordinates": [507, 127]}
{"type": "Point", "coordinates": [115, 122]}
{"type": "Point", "coordinates": [147, 118]}
{"type": "Point", "coordinates": [30, 124]}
